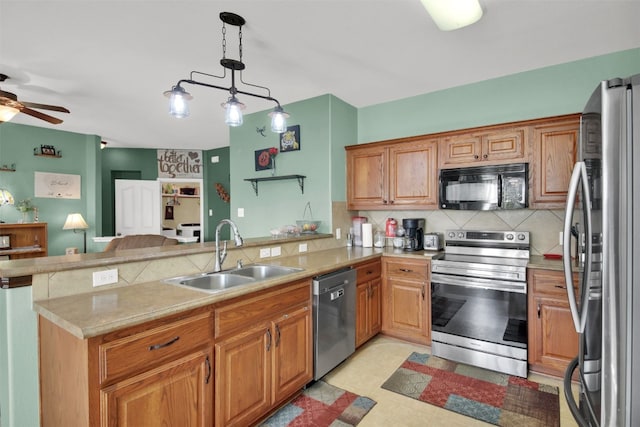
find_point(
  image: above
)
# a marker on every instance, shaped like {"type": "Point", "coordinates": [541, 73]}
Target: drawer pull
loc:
{"type": "Point", "coordinates": [163, 345]}
{"type": "Point", "coordinates": [560, 287]}
{"type": "Point", "coordinates": [369, 272]}
{"type": "Point", "coordinates": [406, 270]}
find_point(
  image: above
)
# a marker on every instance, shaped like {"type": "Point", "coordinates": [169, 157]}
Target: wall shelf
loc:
{"type": "Point", "coordinates": [57, 156]}
{"type": "Point", "coordinates": [6, 169]}
{"type": "Point", "coordinates": [254, 181]}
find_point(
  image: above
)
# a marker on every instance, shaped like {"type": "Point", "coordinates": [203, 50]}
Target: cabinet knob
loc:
{"type": "Point", "coordinates": [476, 157]}
{"type": "Point", "coordinates": [485, 156]}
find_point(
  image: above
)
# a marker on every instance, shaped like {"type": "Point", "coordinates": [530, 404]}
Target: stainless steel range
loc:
{"type": "Point", "coordinates": [479, 300]}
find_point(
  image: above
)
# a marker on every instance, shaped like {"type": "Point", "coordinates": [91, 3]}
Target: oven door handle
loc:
{"type": "Point", "coordinates": [475, 282]}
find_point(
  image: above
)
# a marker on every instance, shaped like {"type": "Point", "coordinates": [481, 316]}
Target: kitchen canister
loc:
{"type": "Point", "coordinates": [367, 235]}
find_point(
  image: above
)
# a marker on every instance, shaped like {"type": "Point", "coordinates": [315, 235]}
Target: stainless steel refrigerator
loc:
{"type": "Point", "coordinates": [603, 210]}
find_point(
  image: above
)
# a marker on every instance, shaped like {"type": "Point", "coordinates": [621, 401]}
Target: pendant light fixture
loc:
{"type": "Point", "coordinates": [453, 14]}
{"type": "Point", "coordinates": [178, 97]}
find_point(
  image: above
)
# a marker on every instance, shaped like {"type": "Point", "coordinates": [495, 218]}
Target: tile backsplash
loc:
{"type": "Point", "coordinates": [544, 225]}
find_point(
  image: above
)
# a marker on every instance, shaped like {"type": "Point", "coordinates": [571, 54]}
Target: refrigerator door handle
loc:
{"type": "Point", "coordinates": [578, 177]}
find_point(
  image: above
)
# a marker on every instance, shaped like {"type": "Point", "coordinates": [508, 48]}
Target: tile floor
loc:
{"type": "Point", "coordinates": [365, 371]}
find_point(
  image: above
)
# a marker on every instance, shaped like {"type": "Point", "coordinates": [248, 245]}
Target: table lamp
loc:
{"type": "Point", "coordinates": [76, 222]}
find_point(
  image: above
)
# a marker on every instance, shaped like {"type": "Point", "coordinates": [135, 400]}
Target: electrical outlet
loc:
{"type": "Point", "coordinates": [338, 233]}
{"type": "Point", "coordinates": [277, 251]}
{"type": "Point", "coordinates": [240, 212]}
{"type": "Point", "coordinates": [302, 247]}
{"type": "Point", "coordinates": [561, 239]}
{"type": "Point", "coordinates": [210, 212]}
{"type": "Point", "coordinates": [265, 253]}
{"type": "Point", "coordinates": [105, 277]}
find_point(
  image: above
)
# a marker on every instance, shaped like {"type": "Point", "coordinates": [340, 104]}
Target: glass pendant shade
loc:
{"type": "Point", "coordinates": [278, 120]}
{"type": "Point", "coordinates": [178, 102]}
{"type": "Point", "coordinates": [233, 112]}
{"type": "Point", "coordinates": [7, 113]}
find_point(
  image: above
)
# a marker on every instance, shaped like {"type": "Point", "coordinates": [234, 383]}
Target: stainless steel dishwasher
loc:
{"type": "Point", "coordinates": [334, 319]}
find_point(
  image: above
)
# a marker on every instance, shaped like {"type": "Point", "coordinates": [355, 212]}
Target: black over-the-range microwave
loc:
{"type": "Point", "coordinates": [485, 187]}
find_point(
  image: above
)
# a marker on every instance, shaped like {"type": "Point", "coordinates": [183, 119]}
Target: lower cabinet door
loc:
{"type": "Point", "coordinates": [362, 313]}
{"type": "Point", "coordinates": [243, 377]}
{"type": "Point", "coordinates": [406, 314]}
{"type": "Point", "coordinates": [292, 357]}
{"type": "Point", "coordinates": [178, 393]}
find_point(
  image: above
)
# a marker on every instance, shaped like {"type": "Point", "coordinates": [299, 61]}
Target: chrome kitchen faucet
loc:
{"type": "Point", "coordinates": [236, 235]}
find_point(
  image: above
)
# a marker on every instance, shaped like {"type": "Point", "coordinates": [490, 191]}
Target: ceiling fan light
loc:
{"type": "Point", "coordinates": [233, 113]}
{"type": "Point", "coordinates": [7, 113]}
{"type": "Point", "coordinates": [178, 102]}
{"type": "Point", "coordinates": [278, 120]}
{"type": "Point", "coordinates": [453, 14]}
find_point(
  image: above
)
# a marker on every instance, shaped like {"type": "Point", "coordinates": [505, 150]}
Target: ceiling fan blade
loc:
{"type": "Point", "coordinates": [45, 107]}
{"type": "Point", "coordinates": [41, 116]}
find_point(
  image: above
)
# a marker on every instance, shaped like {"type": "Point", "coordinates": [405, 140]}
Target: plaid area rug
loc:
{"type": "Point", "coordinates": [322, 405]}
{"type": "Point", "coordinates": [489, 396]}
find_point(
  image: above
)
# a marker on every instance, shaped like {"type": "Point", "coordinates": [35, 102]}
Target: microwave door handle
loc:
{"type": "Point", "coordinates": [499, 190]}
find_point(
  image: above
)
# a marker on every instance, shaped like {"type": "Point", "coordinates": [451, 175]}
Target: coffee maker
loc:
{"type": "Point", "coordinates": [413, 234]}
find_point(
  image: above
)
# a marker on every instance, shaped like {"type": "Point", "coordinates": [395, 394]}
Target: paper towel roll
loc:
{"type": "Point", "coordinates": [367, 235]}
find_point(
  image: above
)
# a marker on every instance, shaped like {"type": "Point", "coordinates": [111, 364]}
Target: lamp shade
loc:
{"type": "Point", "coordinates": [75, 222]}
{"type": "Point", "coordinates": [6, 198]}
{"type": "Point", "coordinates": [278, 120]}
{"type": "Point", "coordinates": [453, 14]}
{"type": "Point", "coordinates": [233, 113]}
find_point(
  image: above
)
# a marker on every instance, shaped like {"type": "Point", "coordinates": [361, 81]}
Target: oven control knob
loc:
{"type": "Point", "coordinates": [509, 236]}
{"type": "Point", "coordinates": [451, 234]}
{"type": "Point", "coordinates": [461, 235]}
{"type": "Point", "coordinates": [521, 236]}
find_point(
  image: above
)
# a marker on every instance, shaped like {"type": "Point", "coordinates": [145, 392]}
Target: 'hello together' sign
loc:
{"type": "Point", "coordinates": [179, 164]}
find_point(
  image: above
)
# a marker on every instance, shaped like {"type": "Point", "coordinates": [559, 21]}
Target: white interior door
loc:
{"type": "Point", "coordinates": [137, 207]}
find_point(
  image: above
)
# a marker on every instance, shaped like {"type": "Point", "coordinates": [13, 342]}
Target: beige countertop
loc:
{"type": "Point", "coordinates": [95, 313]}
{"type": "Point", "coordinates": [51, 264]}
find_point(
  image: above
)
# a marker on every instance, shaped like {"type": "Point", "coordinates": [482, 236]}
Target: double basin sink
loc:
{"type": "Point", "coordinates": [223, 280]}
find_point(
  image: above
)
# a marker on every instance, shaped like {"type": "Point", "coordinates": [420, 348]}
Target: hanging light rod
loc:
{"type": "Point", "coordinates": [178, 97]}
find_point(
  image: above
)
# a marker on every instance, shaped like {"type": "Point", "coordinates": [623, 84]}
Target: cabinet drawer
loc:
{"type": "Point", "coordinates": [246, 312]}
{"type": "Point", "coordinates": [368, 271]}
{"type": "Point", "coordinates": [547, 282]}
{"type": "Point", "coordinates": [407, 269]}
{"type": "Point", "coordinates": [139, 352]}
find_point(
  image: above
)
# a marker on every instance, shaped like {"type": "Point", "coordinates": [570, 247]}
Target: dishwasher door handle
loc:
{"type": "Point", "coordinates": [337, 294]}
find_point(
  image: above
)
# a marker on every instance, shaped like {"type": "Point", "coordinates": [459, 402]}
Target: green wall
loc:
{"type": "Point", "coordinates": [550, 91]}
{"type": "Point", "coordinates": [327, 124]}
{"type": "Point", "coordinates": [79, 157]}
{"type": "Point", "coordinates": [216, 173]}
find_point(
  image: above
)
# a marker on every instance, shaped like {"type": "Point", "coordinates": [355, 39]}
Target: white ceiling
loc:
{"type": "Point", "coordinates": [109, 61]}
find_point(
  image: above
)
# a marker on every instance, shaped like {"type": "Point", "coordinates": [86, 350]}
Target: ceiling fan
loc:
{"type": "Point", "coordinates": [10, 106]}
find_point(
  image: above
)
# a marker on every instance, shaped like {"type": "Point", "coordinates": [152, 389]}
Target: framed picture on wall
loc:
{"type": "Point", "coordinates": [290, 139]}
{"type": "Point", "coordinates": [263, 159]}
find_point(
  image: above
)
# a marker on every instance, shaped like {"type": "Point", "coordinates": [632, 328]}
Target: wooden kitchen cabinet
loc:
{"type": "Point", "coordinates": [486, 145]}
{"type": "Point", "coordinates": [553, 340]}
{"type": "Point", "coordinates": [406, 296]}
{"type": "Point", "coordinates": [368, 301]}
{"type": "Point", "coordinates": [157, 373]}
{"type": "Point", "coordinates": [398, 174]}
{"type": "Point", "coordinates": [264, 352]}
{"type": "Point", "coordinates": [553, 154]}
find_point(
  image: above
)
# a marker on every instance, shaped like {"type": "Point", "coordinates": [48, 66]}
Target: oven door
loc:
{"type": "Point", "coordinates": [476, 310]}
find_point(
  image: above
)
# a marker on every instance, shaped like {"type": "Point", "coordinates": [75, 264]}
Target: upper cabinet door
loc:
{"type": "Point", "coordinates": [137, 205]}
{"type": "Point", "coordinates": [493, 146]}
{"type": "Point", "coordinates": [366, 170]}
{"type": "Point", "coordinates": [553, 155]}
{"type": "Point", "coordinates": [413, 174]}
